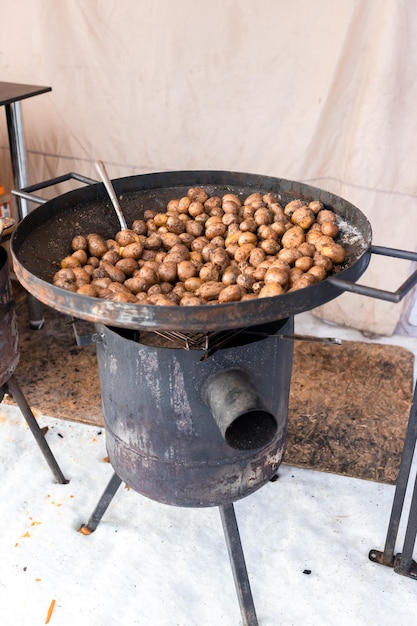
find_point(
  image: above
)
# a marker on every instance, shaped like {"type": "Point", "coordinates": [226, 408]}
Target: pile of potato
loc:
{"type": "Point", "coordinates": [207, 250]}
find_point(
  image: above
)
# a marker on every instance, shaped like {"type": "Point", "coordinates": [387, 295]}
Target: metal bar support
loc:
{"type": "Point", "coordinates": [102, 505]}
{"type": "Point", "coordinates": [403, 562]}
{"type": "Point", "coordinates": [237, 561]}
{"type": "Point", "coordinates": [14, 389]}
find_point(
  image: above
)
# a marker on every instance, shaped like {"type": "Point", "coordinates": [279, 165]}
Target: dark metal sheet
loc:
{"type": "Point", "coordinates": [9, 340]}
{"type": "Point", "coordinates": [43, 238]}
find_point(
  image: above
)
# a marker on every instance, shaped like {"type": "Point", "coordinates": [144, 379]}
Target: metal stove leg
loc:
{"type": "Point", "coordinates": [237, 560]}
{"type": "Point", "coordinates": [14, 389]}
{"type": "Point", "coordinates": [102, 505]}
{"type": "Point", "coordinates": [402, 563]}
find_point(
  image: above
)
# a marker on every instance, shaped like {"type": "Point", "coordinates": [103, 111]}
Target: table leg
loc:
{"type": "Point", "coordinates": [20, 174]}
{"type": "Point", "coordinates": [18, 152]}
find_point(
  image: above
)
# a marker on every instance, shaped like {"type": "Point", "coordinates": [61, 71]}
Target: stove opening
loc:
{"type": "Point", "coordinates": [254, 429]}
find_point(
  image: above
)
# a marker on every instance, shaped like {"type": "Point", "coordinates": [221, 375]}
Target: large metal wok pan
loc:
{"type": "Point", "coordinates": [43, 238]}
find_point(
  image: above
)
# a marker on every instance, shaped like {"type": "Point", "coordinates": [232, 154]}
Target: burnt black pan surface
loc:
{"type": "Point", "coordinates": [44, 237]}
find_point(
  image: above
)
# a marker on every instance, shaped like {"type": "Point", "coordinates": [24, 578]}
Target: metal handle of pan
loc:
{"type": "Point", "coordinates": [26, 192]}
{"type": "Point", "coordinates": [382, 294]}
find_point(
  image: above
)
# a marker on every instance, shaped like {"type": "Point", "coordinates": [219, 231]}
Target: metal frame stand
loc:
{"type": "Point", "coordinates": [233, 543]}
{"type": "Point", "coordinates": [12, 387]}
{"type": "Point", "coordinates": [403, 562]}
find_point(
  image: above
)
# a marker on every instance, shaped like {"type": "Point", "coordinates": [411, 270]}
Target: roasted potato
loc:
{"type": "Point", "coordinates": [231, 293]}
{"type": "Point", "coordinates": [70, 261]}
{"type": "Point", "coordinates": [335, 252]}
{"type": "Point", "coordinates": [79, 242]}
{"type": "Point", "coordinates": [270, 290]}
{"type": "Point", "coordinates": [125, 237]}
{"type": "Point", "coordinates": [96, 245]}
{"type": "Point", "coordinates": [293, 237]}
{"type": "Point", "coordinates": [210, 290]}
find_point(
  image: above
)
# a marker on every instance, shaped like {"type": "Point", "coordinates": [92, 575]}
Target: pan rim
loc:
{"type": "Point", "coordinates": [209, 317]}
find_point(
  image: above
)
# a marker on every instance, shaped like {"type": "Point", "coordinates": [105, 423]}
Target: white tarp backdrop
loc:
{"type": "Point", "coordinates": [312, 90]}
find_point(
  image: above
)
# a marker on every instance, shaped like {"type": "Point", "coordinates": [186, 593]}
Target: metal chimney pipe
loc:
{"type": "Point", "coordinates": [238, 410]}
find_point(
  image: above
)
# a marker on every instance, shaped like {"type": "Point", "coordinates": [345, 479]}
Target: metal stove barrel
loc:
{"type": "Point", "coordinates": [162, 438]}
